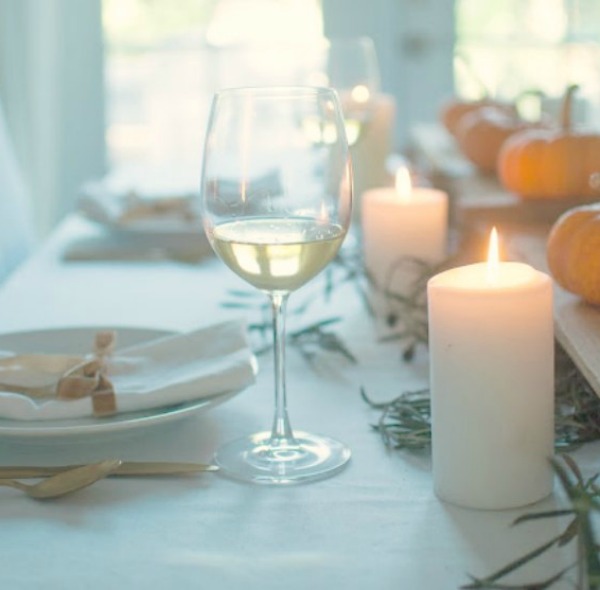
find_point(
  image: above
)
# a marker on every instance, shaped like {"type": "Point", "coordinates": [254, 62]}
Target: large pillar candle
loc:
{"type": "Point", "coordinates": [492, 384]}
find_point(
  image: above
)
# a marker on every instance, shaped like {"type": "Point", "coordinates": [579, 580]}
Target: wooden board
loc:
{"type": "Point", "coordinates": [475, 198]}
{"type": "Point", "coordinates": [577, 324]}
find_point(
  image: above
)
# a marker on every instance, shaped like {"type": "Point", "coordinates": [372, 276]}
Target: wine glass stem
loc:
{"type": "Point", "coordinates": [281, 433]}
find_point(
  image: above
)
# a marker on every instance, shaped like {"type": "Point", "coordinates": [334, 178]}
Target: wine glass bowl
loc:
{"type": "Point", "coordinates": [352, 69]}
{"type": "Point", "coordinates": [276, 206]}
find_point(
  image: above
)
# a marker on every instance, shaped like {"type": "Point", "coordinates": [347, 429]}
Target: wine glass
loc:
{"type": "Point", "coordinates": [350, 66]}
{"type": "Point", "coordinates": [276, 206]}
{"type": "Point", "coordinates": [352, 69]}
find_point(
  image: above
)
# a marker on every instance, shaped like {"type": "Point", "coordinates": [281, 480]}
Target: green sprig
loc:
{"type": "Point", "coordinates": [405, 423]}
{"type": "Point", "coordinates": [577, 413]}
{"type": "Point", "coordinates": [584, 498]}
{"type": "Point", "coordinates": [309, 340]}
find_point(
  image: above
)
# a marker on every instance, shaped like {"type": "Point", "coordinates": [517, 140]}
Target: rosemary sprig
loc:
{"type": "Point", "coordinates": [308, 339]}
{"type": "Point", "coordinates": [577, 413]}
{"type": "Point", "coordinates": [406, 311]}
{"type": "Point", "coordinates": [577, 405]}
{"type": "Point", "coordinates": [584, 498]}
{"type": "Point", "coordinates": [403, 309]}
{"type": "Point", "coordinates": [348, 267]}
{"type": "Point", "coordinates": [405, 423]}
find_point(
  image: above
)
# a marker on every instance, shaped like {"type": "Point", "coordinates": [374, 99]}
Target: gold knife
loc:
{"type": "Point", "coordinates": [131, 468]}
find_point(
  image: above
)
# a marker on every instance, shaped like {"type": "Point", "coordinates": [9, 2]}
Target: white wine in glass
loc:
{"type": "Point", "coordinates": [276, 206]}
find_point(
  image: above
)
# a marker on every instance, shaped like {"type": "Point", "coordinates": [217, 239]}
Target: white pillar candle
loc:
{"type": "Point", "coordinates": [492, 384]}
{"type": "Point", "coordinates": [402, 222]}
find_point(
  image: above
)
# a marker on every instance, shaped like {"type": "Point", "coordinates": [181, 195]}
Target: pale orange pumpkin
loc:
{"type": "Point", "coordinates": [452, 111]}
{"type": "Point", "coordinates": [481, 134]}
{"type": "Point", "coordinates": [552, 163]}
{"type": "Point", "coordinates": [573, 251]}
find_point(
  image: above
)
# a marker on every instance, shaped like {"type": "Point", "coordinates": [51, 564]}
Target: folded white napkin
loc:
{"type": "Point", "coordinates": [132, 211]}
{"type": "Point", "coordinates": [212, 361]}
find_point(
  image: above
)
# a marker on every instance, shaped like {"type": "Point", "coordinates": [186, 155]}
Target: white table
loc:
{"type": "Point", "coordinates": [377, 524]}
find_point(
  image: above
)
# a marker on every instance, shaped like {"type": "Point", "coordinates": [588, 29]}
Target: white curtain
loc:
{"type": "Point", "coordinates": [16, 221]}
{"type": "Point", "coordinates": [51, 84]}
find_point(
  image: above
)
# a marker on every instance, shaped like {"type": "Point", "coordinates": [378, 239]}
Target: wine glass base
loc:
{"type": "Point", "coordinates": [307, 457]}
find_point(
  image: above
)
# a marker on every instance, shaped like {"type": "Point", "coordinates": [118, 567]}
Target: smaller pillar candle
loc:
{"type": "Point", "coordinates": [402, 222]}
{"type": "Point", "coordinates": [491, 349]}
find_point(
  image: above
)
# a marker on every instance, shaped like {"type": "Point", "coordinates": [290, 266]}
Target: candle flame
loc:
{"type": "Point", "coordinates": [493, 261]}
{"type": "Point", "coordinates": [403, 183]}
{"type": "Point", "coordinates": [360, 93]}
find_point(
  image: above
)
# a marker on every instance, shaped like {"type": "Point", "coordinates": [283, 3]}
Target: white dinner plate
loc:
{"type": "Point", "coordinates": [75, 340]}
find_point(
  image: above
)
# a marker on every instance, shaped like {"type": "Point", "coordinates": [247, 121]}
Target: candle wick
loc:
{"type": "Point", "coordinates": [493, 258]}
{"type": "Point", "coordinates": [403, 184]}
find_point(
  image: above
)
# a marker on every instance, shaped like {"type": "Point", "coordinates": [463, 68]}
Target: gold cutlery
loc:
{"type": "Point", "coordinates": [66, 480]}
{"type": "Point", "coordinates": [126, 468]}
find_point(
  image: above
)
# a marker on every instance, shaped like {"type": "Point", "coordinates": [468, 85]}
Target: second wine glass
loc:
{"type": "Point", "coordinates": [277, 195]}
{"type": "Point", "coordinates": [352, 69]}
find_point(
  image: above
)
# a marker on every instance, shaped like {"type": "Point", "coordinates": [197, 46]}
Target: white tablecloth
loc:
{"type": "Point", "coordinates": [375, 525]}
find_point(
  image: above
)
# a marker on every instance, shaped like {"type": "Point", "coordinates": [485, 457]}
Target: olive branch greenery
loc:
{"type": "Point", "coordinates": [405, 423]}
{"type": "Point", "coordinates": [584, 498]}
{"type": "Point", "coordinates": [308, 339]}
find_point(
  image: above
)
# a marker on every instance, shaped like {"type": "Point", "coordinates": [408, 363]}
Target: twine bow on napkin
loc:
{"type": "Point", "coordinates": [63, 377]}
{"type": "Point", "coordinates": [208, 363]}
{"type": "Point", "coordinates": [88, 378]}
{"type": "Point", "coordinates": [132, 209]}
{"type": "Point", "coordinates": [135, 207]}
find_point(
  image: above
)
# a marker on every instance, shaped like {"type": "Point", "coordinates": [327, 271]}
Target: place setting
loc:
{"type": "Point", "coordinates": [90, 384]}
{"type": "Point", "coordinates": [88, 381]}
{"type": "Point", "coordinates": [123, 223]}
{"type": "Point", "coordinates": [277, 233]}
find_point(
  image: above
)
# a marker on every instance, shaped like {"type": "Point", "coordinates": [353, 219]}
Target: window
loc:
{"type": "Point", "coordinates": [165, 59]}
{"type": "Point", "coordinates": [510, 46]}
{"type": "Point", "coordinates": [163, 62]}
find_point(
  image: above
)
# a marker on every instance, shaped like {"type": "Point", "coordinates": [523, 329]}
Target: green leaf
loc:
{"type": "Point", "coordinates": [516, 564]}
{"type": "Point", "coordinates": [539, 515]}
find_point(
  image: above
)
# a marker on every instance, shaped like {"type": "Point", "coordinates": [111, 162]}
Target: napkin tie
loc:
{"type": "Point", "coordinates": [136, 207]}
{"type": "Point", "coordinates": [203, 367]}
{"type": "Point", "coordinates": [88, 378]}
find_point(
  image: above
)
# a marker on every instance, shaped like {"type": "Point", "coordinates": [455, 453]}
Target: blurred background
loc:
{"type": "Point", "coordinates": [121, 89]}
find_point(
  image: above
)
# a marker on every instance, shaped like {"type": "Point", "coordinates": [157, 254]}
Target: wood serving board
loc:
{"type": "Point", "coordinates": [576, 323]}
{"type": "Point", "coordinates": [477, 198]}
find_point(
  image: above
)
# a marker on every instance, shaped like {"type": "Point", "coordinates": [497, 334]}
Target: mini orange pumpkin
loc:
{"type": "Point", "coordinates": [552, 163]}
{"type": "Point", "coordinates": [573, 251]}
{"type": "Point", "coordinates": [452, 111]}
{"type": "Point", "coordinates": [480, 134]}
